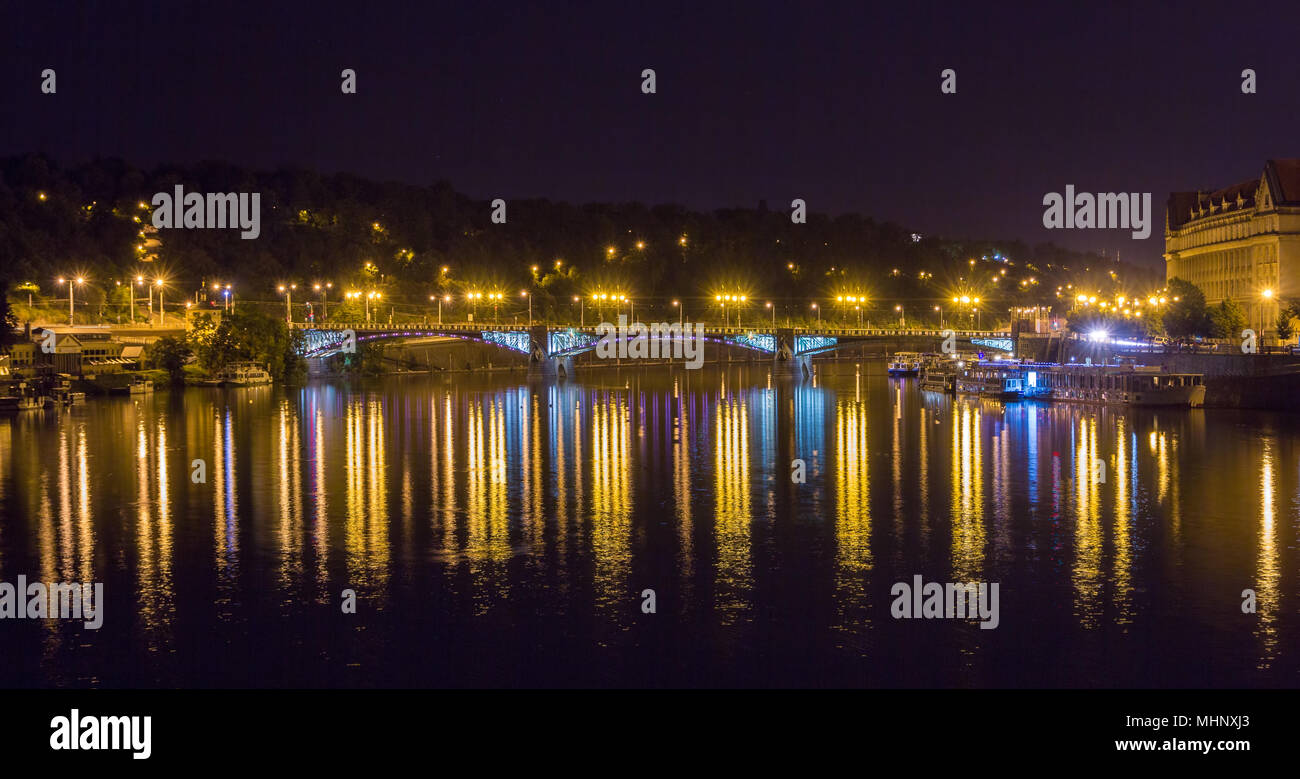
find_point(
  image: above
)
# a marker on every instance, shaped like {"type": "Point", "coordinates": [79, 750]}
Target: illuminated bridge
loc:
{"type": "Point", "coordinates": [550, 348]}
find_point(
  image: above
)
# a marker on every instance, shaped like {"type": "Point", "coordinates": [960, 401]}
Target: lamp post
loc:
{"type": "Point", "coordinates": [71, 283]}
{"type": "Point", "coordinates": [681, 313]}
{"type": "Point", "coordinates": [131, 295]}
{"type": "Point", "coordinates": [162, 311]}
{"type": "Point", "coordinates": [288, 301]}
{"type": "Point", "coordinates": [902, 317]}
{"type": "Point", "coordinates": [530, 306]}
{"type": "Point", "coordinates": [582, 322]}
{"type": "Point", "coordinates": [323, 289]}
{"type": "Point", "coordinates": [769, 305]}
{"type": "Point", "coordinates": [940, 310]}
{"type": "Point", "coordinates": [819, 314]}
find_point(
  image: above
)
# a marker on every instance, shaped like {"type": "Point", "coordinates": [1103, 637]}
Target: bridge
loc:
{"type": "Point", "coordinates": [551, 349]}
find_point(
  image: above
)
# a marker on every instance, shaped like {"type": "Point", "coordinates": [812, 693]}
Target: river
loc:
{"type": "Point", "coordinates": [496, 532]}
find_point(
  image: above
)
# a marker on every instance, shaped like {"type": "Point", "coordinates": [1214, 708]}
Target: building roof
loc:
{"type": "Point", "coordinates": [1281, 175]}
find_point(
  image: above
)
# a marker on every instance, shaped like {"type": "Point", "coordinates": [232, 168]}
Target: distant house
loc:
{"type": "Point", "coordinates": [80, 354]}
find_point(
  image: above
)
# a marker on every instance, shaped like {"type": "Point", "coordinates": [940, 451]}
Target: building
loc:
{"type": "Point", "coordinates": [82, 354]}
{"type": "Point", "coordinates": [1241, 243]}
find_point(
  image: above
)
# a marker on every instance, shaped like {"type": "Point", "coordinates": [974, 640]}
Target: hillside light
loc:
{"type": "Point", "coordinates": [1268, 293]}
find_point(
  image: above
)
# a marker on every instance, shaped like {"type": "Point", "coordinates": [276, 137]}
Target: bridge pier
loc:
{"type": "Point", "coordinates": [786, 361]}
{"type": "Point", "coordinates": [542, 365]}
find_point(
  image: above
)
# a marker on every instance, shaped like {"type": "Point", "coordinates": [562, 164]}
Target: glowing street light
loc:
{"type": "Point", "coordinates": [162, 309]}
{"type": "Point", "coordinates": [71, 283]}
{"type": "Point", "coordinates": [524, 293]}
{"type": "Point", "coordinates": [323, 289]}
{"type": "Point", "coordinates": [288, 301]}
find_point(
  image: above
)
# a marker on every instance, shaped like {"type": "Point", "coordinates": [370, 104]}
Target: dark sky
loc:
{"type": "Point", "coordinates": [836, 104]}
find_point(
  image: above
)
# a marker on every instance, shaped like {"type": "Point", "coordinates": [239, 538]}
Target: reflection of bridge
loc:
{"type": "Point", "coordinates": [551, 349]}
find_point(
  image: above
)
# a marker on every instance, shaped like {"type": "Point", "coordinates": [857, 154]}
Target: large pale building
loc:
{"type": "Point", "coordinates": [1241, 243]}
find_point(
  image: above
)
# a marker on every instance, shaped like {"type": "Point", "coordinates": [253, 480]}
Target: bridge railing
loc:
{"type": "Point", "coordinates": [479, 327]}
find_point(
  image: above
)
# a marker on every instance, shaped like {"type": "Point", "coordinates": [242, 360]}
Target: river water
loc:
{"type": "Point", "coordinates": [497, 532]}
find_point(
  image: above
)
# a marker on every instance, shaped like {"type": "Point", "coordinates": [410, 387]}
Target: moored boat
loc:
{"type": "Point", "coordinates": [996, 380]}
{"type": "Point", "coordinates": [244, 374]}
{"type": "Point", "coordinates": [1131, 385]}
{"type": "Point", "coordinates": [905, 364]}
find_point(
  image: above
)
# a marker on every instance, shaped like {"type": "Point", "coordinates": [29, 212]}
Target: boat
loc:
{"type": "Point", "coordinates": [62, 394]}
{"type": "Point", "coordinates": [19, 397]}
{"type": "Point", "coordinates": [138, 385]}
{"type": "Point", "coordinates": [1130, 385]}
{"type": "Point", "coordinates": [939, 379]}
{"type": "Point", "coordinates": [243, 374]}
{"type": "Point", "coordinates": [905, 364]}
{"type": "Point", "coordinates": [997, 380]}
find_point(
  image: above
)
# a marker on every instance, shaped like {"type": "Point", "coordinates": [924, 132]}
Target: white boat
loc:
{"type": "Point", "coordinates": [243, 374]}
{"type": "Point", "coordinates": [905, 364]}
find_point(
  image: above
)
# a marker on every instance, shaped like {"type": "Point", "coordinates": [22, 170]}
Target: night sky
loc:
{"type": "Point", "coordinates": [836, 104]}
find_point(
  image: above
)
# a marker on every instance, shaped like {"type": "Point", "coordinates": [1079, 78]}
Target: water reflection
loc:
{"type": "Point", "coordinates": [534, 515]}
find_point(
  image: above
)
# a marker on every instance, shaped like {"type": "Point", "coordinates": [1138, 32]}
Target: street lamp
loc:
{"type": "Point", "coordinates": [288, 301]}
{"type": "Point", "coordinates": [71, 283]}
{"type": "Point", "coordinates": [681, 311]}
{"type": "Point", "coordinates": [524, 293]}
{"type": "Point", "coordinates": [441, 300]}
{"type": "Point", "coordinates": [581, 318]}
{"type": "Point", "coordinates": [902, 317]}
{"type": "Point", "coordinates": [940, 310]}
{"type": "Point", "coordinates": [162, 311]}
{"type": "Point", "coordinates": [769, 305]}
{"type": "Point", "coordinates": [819, 313]}
{"type": "Point", "coordinates": [324, 289]}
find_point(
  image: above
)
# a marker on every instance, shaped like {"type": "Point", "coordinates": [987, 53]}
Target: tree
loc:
{"type": "Point", "coordinates": [249, 335]}
{"type": "Point", "coordinates": [1227, 319]}
{"type": "Point", "coordinates": [1286, 312]}
{"type": "Point", "coordinates": [170, 354]}
{"type": "Point", "coordinates": [8, 322]}
{"type": "Point", "coordinates": [1186, 316]}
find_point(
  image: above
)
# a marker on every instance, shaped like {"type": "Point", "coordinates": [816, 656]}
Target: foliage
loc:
{"type": "Point", "coordinates": [1227, 319]}
{"type": "Point", "coordinates": [247, 335]}
{"type": "Point", "coordinates": [169, 353]}
{"type": "Point", "coordinates": [1186, 316]}
{"type": "Point", "coordinates": [397, 239]}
